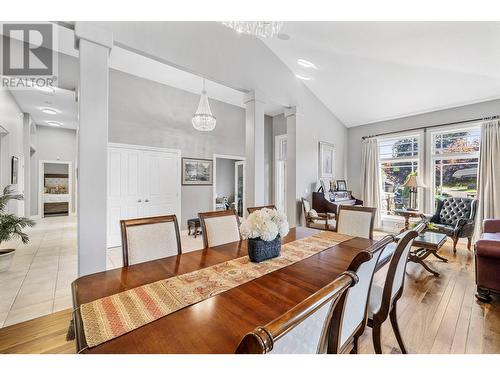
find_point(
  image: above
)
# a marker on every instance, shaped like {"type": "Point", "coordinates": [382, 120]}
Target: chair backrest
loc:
{"type": "Point", "coordinates": [351, 312]}
{"type": "Point", "coordinates": [219, 227]}
{"type": "Point", "coordinates": [252, 209]}
{"type": "Point", "coordinates": [149, 238]}
{"type": "Point", "coordinates": [356, 221]}
{"type": "Point", "coordinates": [450, 210]}
{"type": "Point", "coordinates": [302, 330]}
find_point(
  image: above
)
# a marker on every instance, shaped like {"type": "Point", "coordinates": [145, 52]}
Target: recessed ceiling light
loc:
{"type": "Point", "coordinates": [53, 123]}
{"type": "Point", "coordinates": [306, 64]}
{"type": "Point", "coordinates": [304, 78]}
{"type": "Point", "coordinates": [283, 36]}
{"type": "Point", "coordinates": [49, 111]}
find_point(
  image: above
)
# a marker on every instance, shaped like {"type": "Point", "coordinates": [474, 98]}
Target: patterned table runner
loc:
{"type": "Point", "coordinates": [112, 316]}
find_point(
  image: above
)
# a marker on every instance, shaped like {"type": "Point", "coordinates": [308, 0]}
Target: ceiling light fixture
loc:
{"type": "Point", "coordinates": [263, 29]}
{"type": "Point", "coordinates": [203, 120]}
{"type": "Point", "coordinates": [306, 64]}
{"type": "Point", "coordinates": [53, 123]}
{"type": "Point", "coordinates": [49, 111]}
{"type": "Point", "coordinates": [304, 78]}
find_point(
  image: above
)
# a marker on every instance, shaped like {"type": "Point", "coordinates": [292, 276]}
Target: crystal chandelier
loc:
{"type": "Point", "coordinates": [263, 29]}
{"type": "Point", "coordinates": [203, 120]}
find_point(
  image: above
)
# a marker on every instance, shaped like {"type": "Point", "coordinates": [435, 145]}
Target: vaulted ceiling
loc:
{"type": "Point", "coordinates": [373, 71]}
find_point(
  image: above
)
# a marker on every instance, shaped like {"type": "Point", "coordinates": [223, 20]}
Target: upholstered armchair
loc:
{"type": "Point", "coordinates": [317, 220]}
{"type": "Point", "coordinates": [454, 217]}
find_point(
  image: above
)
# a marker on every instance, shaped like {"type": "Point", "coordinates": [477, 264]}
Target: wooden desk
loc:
{"type": "Point", "coordinates": [217, 324]}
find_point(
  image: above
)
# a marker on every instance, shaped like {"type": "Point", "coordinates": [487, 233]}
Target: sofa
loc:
{"type": "Point", "coordinates": [454, 217]}
{"type": "Point", "coordinates": [487, 254]}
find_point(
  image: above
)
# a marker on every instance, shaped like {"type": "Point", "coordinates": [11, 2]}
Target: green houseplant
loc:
{"type": "Point", "coordinates": [11, 226]}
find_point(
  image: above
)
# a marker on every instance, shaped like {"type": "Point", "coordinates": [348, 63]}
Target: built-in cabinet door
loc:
{"type": "Point", "coordinates": [161, 183]}
{"type": "Point", "coordinates": [125, 189]}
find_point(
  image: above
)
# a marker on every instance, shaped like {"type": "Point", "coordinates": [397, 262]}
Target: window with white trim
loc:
{"type": "Point", "coordinates": [455, 157]}
{"type": "Point", "coordinates": [399, 157]}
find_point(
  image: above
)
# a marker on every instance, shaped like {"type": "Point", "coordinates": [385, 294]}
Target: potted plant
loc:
{"type": "Point", "coordinates": [264, 229]}
{"type": "Point", "coordinates": [11, 226]}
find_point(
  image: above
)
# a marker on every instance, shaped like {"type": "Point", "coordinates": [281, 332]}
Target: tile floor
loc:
{"type": "Point", "coordinates": [38, 281]}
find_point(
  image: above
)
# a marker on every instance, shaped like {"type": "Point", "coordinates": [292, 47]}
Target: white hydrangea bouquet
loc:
{"type": "Point", "coordinates": [264, 229]}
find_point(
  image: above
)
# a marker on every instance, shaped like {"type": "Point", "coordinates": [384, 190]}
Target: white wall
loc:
{"type": "Point", "coordinates": [52, 144]}
{"type": "Point", "coordinates": [11, 119]}
{"type": "Point", "coordinates": [467, 112]}
{"type": "Point", "coordinates": [241, 62]}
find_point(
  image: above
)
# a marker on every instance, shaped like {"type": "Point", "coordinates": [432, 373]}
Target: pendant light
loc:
{"type": "Point", "coordinates": [203, 120]}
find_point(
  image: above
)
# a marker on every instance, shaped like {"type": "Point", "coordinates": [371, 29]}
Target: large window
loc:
{"type": "Point", "coordinates": [399, 158]}
{"type": "Point", "coordinates": [455, 156]}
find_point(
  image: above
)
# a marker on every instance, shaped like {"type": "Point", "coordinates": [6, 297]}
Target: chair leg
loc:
{"type": "Point", "coordinates": [483, 295]}
{"type": "Point", "coordinates": [376, 332]}
{"type": "Point", "coordinates": [354, 349]}
{"type": "Point", "coordinates": [395, 327]}
{"type": "Point", "coordinates": [455, 240]}
{"type": "Point", "coordinates": [469, 242]}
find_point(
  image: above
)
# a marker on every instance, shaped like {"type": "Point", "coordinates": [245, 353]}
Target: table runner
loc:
{"type": "Point", "coordinates": [112, 316]}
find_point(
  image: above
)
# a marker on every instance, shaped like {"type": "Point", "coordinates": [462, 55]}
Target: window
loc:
{"type": "Point", "coordinates": [398, 159]}
{"type": "Point", "coordinates": [455, 157]}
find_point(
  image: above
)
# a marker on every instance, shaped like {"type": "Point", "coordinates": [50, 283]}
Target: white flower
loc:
{"type": "Point", "coordinates": [265, 224]}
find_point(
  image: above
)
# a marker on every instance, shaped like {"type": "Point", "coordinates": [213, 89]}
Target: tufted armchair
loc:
{"type": "Point", "coordinates": [454, 217]}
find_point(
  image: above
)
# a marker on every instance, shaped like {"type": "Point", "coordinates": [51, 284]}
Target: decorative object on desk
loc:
{"type": "Point", "coordinates": [325, 185]}
{"type": "Point", "coordinates": [197, 171]}
{"type": "Point", "coordinates": [264, 229]}
{"type": "Point", "coordinates": [11, 226]}
{"type": "Point", "coordinates": [326, 160]}
{"type": "Point", "coordinates": [339, 196]}
{"type": "Point", "coordinates": [412, 183]}
{"type": "Point", "coordinates": [14, 171]}
{"type": "Point", "coordinates": [341, 185]}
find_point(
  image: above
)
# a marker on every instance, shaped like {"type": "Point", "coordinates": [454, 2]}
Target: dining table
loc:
{"type": "Point", "coordinates": [216, 324]}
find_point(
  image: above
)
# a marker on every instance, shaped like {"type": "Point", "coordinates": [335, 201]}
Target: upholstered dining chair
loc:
{"type": "Point", "coordinates": [351, 312]}
{"type": "Point", "coordinates": [356, 221]}
{"type": "Point", "coordinates": [252, 209]}
{"type": "Point", "coordinates": [304, 329]}
{"type": "Point", "coordinates": [219, 227]}
{"type": "Point", "coordinates": [315, 219]}
{"type": "Point", "coordinates": [149, 238]}
{"type": "Point", "coordinates": [383, 300]}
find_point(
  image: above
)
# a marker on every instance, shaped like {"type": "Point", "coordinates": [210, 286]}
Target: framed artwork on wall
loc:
{"type": "Point", "coordinates": [197, 171]}
{"type": "Point", "coordinates": [326, 160]}
{"type": "Point", "coordinates": [14, 171]}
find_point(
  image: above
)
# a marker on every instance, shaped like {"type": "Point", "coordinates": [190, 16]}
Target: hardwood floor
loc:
{"type": "Point", "coordinates": [436, 315]}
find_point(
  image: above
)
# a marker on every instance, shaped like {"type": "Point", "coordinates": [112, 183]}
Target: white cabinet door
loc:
{"type": "Point", "coordinates": [125, 189]}
{"type": "Point", "coordinates": [161, 184]}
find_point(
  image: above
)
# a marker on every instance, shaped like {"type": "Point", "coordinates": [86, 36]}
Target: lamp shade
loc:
{"type": "Point", "coordinates": [412, 181]}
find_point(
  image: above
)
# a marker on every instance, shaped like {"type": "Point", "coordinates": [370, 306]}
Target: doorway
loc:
{"type": "Point", "coordinates": [280, 147]}
{"type": "Point", "coordinates": [229, 183]}
{"type": "Point", "coordinates": [55, 188]}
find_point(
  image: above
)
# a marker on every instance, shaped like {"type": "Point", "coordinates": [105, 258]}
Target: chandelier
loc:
{"type": "Point", "coordinates": [263, 29]}
{"type": "Point", "coordinates": [203, 120]}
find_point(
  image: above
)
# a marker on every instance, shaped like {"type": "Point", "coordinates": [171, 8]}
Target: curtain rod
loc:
{"type": "Point", "coordinates": [432, 126]}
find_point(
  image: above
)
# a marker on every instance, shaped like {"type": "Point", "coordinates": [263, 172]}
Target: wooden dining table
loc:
{"type": "Point", "coordinates": [216, 324]}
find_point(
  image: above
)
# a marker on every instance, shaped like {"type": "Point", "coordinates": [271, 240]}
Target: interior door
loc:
{"type": "Point", "coordinates": [239, 187]}
{"type": "Point", "coordinates": [20, 185]}
{"type": "Point", "coordinates": [280, 172]}
{"type": "Point", "coordinates": [161, 183]}
{"type": "Point", "coordinates": [125, 189]}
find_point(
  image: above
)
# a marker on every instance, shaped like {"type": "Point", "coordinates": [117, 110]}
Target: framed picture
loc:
{"type": "Point", "coordinates": [341, 185]}
{"type": "Point", "coordinates": [14, 171]}
{"type": "Point", "coordinates": [326, 160]}
{"type": "Point", "coordinates": [197, 171]}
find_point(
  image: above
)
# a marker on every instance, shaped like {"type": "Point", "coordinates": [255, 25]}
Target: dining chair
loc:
{"type": "Point", "coordinates": [352, 310]}
{"type": "Point", "coordinates": [356, 221]}
{"type": "Point", "coordinates": [219, 227]}
{"type": "Point", "coordinates": [383, 300]}
{"type": "Point", "coordinates": [149, 238]}
{"type": "Point", "coordinates": [304, 329]}
{"type": "Point", "coordinates": [252, 209]}
{"type": "Point", "coordinates": [315, 219]}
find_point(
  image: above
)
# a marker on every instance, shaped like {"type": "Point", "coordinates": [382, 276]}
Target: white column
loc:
{"type": "Point", "coordinates": [293, 214]}
{"type": "Point", "coordinates": [94, 45]}
{"type": "Point", "coordinates": [254, 149]}
{"type": "Point", "coordinates": [27, 163]}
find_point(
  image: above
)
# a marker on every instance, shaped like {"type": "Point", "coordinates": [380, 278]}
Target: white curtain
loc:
{"type": "Point", "coordinates": [489, 174]}
{"type": "Point", "coordinates": [370, 181]}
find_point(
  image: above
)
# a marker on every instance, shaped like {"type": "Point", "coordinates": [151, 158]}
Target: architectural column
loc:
{"type": "Point", "coordinates": [94, 45]}
{"type": "Point", "coordinates": [254, 149]}
{"type": "Point", "coordinates": [293, 214]}
{"type": "Point", "coordinates": [27, 163]}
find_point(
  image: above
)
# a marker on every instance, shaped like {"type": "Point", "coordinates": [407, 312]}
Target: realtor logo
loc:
{"type": "Point", "coordinates": [28, 57]}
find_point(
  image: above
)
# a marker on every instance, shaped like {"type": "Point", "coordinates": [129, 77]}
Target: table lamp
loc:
{"type": "Point", "coordinates": [412, 182]}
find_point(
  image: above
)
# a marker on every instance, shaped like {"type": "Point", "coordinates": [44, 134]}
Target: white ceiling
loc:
{"type": "Point", "coordinates": [32, 101]}
{"type": "Point", "coordinates": [374, 71]}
